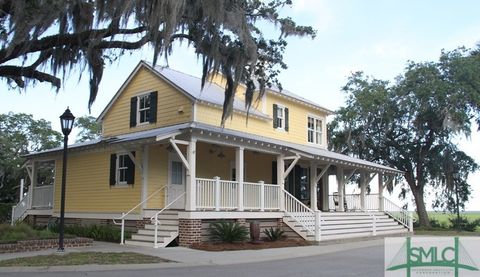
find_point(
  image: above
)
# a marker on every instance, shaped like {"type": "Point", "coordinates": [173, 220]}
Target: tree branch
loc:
{"type": "Point", "coordinates": [15, 72]}
{"type": "Point", "coordinates": [49, 42]}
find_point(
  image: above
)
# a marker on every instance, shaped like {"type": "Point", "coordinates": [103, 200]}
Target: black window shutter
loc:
{"type": "Point", "coordinates": [286, 118]}
{"type": "Point", "coordinates": [275, 122]}
{"type": "Point", "coordinates": [133, 111]}
{"type": "Point", "coordinates": [130, 170]}
{"type": "Point", "coordinates": [153, 107]}
{"type": "Point", "coordinates": [274, 172]}
{"type": "Point", "coordinates": [113, 169]}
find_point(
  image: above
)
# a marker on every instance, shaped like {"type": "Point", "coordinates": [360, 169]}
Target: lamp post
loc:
{"type": "Point", "coordinates": [66, 121]}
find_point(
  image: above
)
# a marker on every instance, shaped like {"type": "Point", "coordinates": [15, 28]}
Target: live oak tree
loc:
{"type": "Point", "coordinates": [46, 40]}
{"type": "Point", "coordinates": [412, 124]}
{"type": "Point", "coordinates": [21, 134]}
{"type": "Point", "coordinates": [88, 128]}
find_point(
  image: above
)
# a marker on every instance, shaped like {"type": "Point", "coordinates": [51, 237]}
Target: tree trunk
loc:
{"type": "Point", "coordinates": [421, 209]}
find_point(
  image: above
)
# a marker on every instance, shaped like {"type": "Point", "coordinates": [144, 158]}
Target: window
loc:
{"type": "Point", "coordinates": [143, 109]}
{"type": "Point", "coordinates": [280, 117]}
{"type": "Point", "coordinates": [177, 173]}
{"type": "Point", "coordinates": [314, 130]}
{"type": "Point", "coordinates": [122, 169]}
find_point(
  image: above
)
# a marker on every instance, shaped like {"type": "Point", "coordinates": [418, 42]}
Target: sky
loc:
{"type": "Point", "coordinates": [377, 37]}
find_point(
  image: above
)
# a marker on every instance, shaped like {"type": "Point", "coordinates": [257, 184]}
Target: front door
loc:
{"type": "Point", "coordinates": [176, 182]}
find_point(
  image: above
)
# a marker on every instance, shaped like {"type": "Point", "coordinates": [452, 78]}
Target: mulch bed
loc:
{"type": "Point", "coordinates": [218, 246]}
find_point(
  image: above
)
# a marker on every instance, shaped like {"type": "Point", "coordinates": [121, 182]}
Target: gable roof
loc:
{"type": "Point", "coordinates": [189, 85]}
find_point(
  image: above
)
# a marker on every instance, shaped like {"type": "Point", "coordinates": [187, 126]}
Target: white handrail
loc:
{"type": "Point", "coordinates": [155, 245]}
{"type": "Point", "coordinates": [300, 212]}
{"type": "Point", "coordinates": [401, 215]}
{"type": "Point", "coordinates": [122, 218]}
{"type": "Point", "coordinates": [19, 211]}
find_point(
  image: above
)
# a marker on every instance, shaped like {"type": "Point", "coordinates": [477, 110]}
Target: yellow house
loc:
{"type": "Point", "coordinates": [165, 167]}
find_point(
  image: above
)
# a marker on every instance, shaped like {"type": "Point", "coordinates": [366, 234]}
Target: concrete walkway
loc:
{"type": "Point", "coordinates": [181, 256]}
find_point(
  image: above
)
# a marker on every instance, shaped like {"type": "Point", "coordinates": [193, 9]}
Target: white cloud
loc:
{"type": "Point", "coordinates": [322, 13]}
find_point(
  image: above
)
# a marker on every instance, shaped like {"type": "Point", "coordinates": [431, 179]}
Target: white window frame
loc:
{"type": "Point", "coordinates": [118, 168]}
{"type": "Point", "coordinates": [314, 130]}
{"type": "Point", "coordinates": [280, 126]}
{"type": "Point", "coordinates": [139, 110]}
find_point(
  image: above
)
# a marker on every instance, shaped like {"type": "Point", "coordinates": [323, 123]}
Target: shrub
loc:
{"type": "Point", "coordinates": [5, 212]}
{"type": "Point", "coordinates": [228, 231]}
{"type": "Point", "coordinates": [274, 234]}
{"type": "Point", "coordinates": [464, 224]}
{"type": "Point", "coordinates": [97, 232]}
{"type": "Point", "coordinates": [22, 231]}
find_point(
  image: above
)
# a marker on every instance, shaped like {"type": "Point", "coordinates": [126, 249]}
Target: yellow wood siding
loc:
{"type": "Point", "coordinates": [258, 166]}
{"type": "Point", "coordinates": [88, 188]}
{"type": "Point", "coordinates": [173, 106]}
{"type": "Point", "coordinates": [297, 121]}
{"type": "Point", "coordinates": [157, 175]}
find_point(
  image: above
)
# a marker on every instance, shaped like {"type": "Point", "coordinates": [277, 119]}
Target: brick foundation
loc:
{"type": "Point", "coordinates": [190, 231]}
{"type": "Point", "coordinates": [140, 224]}
{"type": "Point", "coordinates": [36, 245]}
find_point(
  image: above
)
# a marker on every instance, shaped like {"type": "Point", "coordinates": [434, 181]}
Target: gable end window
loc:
{"type": "Point", "coordinates": [122, 169]}
{"type": "Point", "coordinates": [280, 117]}
{"type": "Point", "coordinates": [143, 109]}
{"type": "Point", "coordinates": [314, 130]}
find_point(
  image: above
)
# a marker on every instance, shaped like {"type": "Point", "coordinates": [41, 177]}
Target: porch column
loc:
{"type": "Point", "coordinates": [363, 186]}
{"type": "Point", "coordinates": [325, 192]}
{"type": "Point", "coordinates": [313, 186]}
{"type": "Point", "coordinates": [191, 190]}
{"type": "Point", "coordinates": [380, 192]}
{"type": "Point", "coordinates": [281, 180]}
{"type": "Point", "coordinates": [239, 163]}
{"type": "Point", "coordinates": [340, 185]}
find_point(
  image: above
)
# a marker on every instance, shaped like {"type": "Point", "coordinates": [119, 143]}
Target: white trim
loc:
{"type": "Point", "coordinates": [117, 169]}
{"type": "Point", "coordinates": [228, 215]}
{"type": "Point", "coordinates": [275, 116]}
{"type": "Point", "coordinates": [322, 132]}
{"type": "Point", "coordinates": [137, 116]}
{"type": "Point", "coordinates": [129, 79]}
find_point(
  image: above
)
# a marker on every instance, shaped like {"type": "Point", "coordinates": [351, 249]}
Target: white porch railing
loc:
{"type": "Point", "coordinates": [19, 211]}
{"type": "Point", "coordinates": [401, 215]}
{"type": "Point", "coordinates": [354, 202]}
{"type": "Point", "coordinates": [220, 195]}
{"type": "Point", "coordinates": [42, 197]}
{"type": "Point", "coordinates": [300, 212]}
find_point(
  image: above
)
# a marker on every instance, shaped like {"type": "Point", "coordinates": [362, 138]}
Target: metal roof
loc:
{"type": "Point", "coordinates": [211, 92]}
{"type": "Point", "coordinates": [315, 152]}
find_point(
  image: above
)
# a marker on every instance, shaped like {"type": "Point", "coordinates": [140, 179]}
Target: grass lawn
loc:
{"type": "Point", "coordinates": [83, 259]}
{"type": "Point", "coordinates": [442, 217]}
{"type": "Point", "coordinates": [440, 232]}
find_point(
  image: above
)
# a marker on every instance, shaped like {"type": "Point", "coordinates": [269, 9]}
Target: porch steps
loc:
{"type": "Point", "coordinates": [340, 225]}
{"type": "Point", "coordinates": [166, 233]}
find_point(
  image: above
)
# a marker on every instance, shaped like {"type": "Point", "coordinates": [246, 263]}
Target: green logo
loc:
{"type": "Point", "coordinates": [454, 257]}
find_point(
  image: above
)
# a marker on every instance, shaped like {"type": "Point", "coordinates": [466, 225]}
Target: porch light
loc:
{"type": "Point", "coordinates": [66, 121]}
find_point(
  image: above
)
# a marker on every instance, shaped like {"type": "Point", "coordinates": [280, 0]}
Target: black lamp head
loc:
{"type": "Point", "coordinates": [66, 121]}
